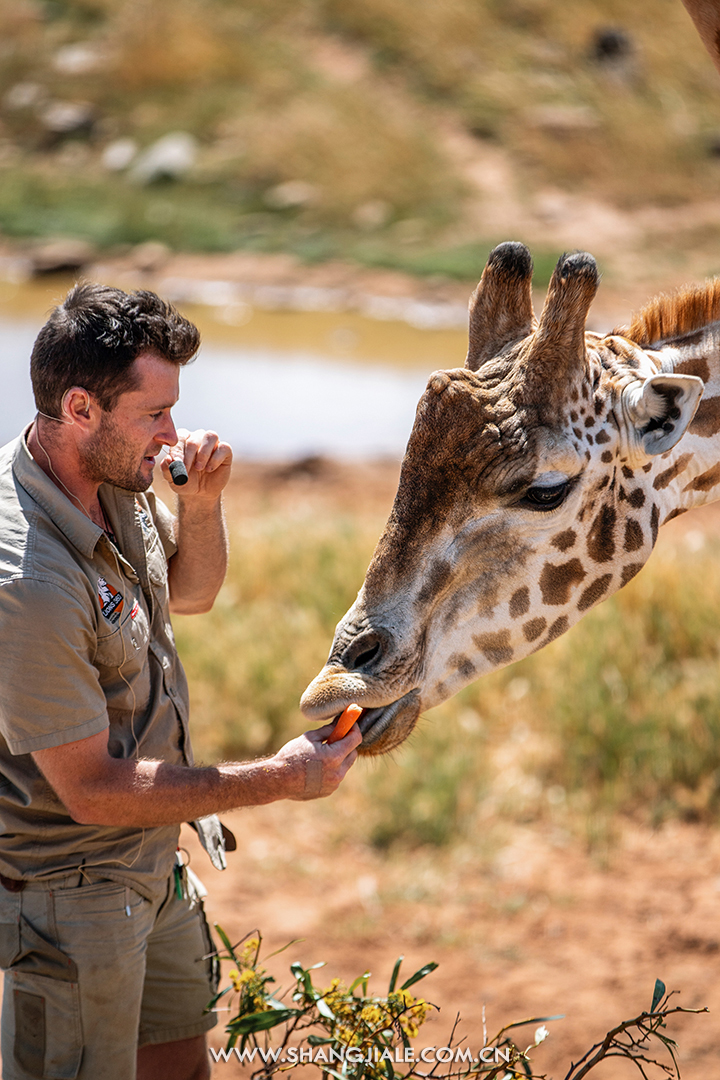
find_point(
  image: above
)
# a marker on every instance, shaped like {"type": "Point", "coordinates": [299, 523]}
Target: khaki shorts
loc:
{"type": "Point", "coordinates": [95, 970]}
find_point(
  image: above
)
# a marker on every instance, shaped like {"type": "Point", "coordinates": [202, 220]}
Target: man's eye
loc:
{"type": "Point", "coordinates": [155, 415]}
{"type": "Point", "coordinates": [546, 498]}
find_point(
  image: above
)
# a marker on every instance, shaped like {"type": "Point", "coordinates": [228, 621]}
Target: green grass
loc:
{"type": "Point", "coordinates": [621, 714]}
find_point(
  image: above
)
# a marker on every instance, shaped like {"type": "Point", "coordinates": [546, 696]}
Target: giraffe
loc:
{"type": "Point", "coordinates": [706, 16]}
{"type": "Point", "coordinates": [533, 486]}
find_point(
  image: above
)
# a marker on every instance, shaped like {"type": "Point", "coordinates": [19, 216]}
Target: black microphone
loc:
{"type": "Point", "coordinates": [178, 473]}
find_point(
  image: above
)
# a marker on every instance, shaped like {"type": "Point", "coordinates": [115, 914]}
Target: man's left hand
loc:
{"type": "Point", "coordinates": [207, 460]}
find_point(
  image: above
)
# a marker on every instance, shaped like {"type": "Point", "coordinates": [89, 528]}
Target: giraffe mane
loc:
{"type": "Point", "coordinates": [671, 316]}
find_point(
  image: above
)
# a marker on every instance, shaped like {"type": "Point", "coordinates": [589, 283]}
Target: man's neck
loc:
{"type": "Point", "coordinates": [61, 465]}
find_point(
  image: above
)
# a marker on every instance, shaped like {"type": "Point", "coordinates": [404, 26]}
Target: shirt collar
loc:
{"type": "Point", "coordinates": [73, 523]}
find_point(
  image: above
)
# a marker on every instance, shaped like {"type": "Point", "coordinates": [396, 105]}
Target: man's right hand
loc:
{"type": "Point", "coordinates": [314, 767]}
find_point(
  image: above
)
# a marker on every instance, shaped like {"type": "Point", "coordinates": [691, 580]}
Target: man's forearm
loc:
{"type": "Point", "coordinates": [151, 793]}
{"type": "Point", "coordinates": [98, 789]}
{"type": "Point", "coordinates": [197, 569]}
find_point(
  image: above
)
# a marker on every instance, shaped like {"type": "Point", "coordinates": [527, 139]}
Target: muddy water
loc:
{"type": "Point", "coordinates": [277, 384]}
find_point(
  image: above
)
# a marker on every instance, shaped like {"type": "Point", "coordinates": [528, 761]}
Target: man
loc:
{"type": "Point", "coordinates": [101, 931]}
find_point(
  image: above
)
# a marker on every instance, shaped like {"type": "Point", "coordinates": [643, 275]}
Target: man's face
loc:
{"type": "Point", "coordinates": [123, 449]}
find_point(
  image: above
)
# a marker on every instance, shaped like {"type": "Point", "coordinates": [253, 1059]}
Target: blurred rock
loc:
{"type": "Point", "coordinates": [83, 58]}
{"type": "Point", "coordinates": [170, 158]}
{"type": "Point", "coordinates": [291, 193]}
{"type": "Point", "coordinates": [64, 253]}
{"type": "Point", "coordinates": [563, 119]}
{"type": "Point", "coordinates": [23, 95]}
{"type": "Point", "coordinates": [611, 45]}
{"type": "Point", "coordinates": [63, 118]}
{"type": "Point", "coordinates": [372, 215]}
{"type": "Point", "coordinates": [119, 154]}
{"type": "Point", "coordinates": [149, 256]}
{"type": "Point", "coordinates": [613, 50]}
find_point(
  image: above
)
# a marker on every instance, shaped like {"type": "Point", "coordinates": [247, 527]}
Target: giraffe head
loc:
{"type": "Point", "coordinates": [525, 498]}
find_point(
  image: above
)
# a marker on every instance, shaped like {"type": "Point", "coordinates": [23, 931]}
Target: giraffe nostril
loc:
{"type": "Point", "coordinates": [364, 651]}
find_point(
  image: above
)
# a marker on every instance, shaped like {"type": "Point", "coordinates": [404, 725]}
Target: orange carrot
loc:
{"type": "Point", "coordinates": [344, 722]}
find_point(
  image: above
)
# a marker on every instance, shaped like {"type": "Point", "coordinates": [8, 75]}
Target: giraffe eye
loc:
{"type": "Point", "coordinates": [546, 498]}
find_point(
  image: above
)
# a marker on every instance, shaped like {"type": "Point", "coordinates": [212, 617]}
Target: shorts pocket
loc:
{"type": "Point", "coordinates": [48, 1032]}
{"type": "Point", "coordinates": [43, 981]}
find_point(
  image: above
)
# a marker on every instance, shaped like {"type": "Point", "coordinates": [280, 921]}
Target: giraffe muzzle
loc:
{"type": "Point", "coordinates": [385, 727]}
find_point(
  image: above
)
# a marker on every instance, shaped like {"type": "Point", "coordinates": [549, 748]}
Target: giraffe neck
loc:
{"type": "Point", "coordinates": [689, 475]}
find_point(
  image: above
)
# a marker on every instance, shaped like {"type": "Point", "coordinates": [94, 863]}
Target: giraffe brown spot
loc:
{"type": "Point", "coordinates": [648, 467]}
{"type": "Point", "coordinates": [589, 439]}
{"type": "Point", "coordinates": [668, 475]}
{"type": "Point", "coordinates": [558, 627]}
{"type": "Point", "coordinates": [588, 455]}
{"type": "Point", "coordinates": [602, 437]}
{"type": "Point", "coordinates": [519, 602]}
{"type": "Point", "coordinates": [602, 483]}
{"type": "Point", "coordinates": [438, 576]}
{"type": "Point", "coordinates": [463, 664]}
{"type": "Point", "coordinates": [627, 473]}
{"type": "Point", "coordinates": [706, 421]}
{"type": "Point", "coordinates": [705, 480]}
{"type": "Point", "coordinates": [606, 456]}
{"type": "Point", "coordinates": [589, 421]}
{"type": "Point", "coordinates": [621, 494]}
{"type": "Point", "coordinates": [634, 536]}
{"type": "Point", "coordinates": [574, 394]}
{"type": "Point", "coordinates": [601, 537]}
{"type": "Point", "coordinates": [654, 522]}
{"type": "Point", "coordinates": [557, 582]}
{"type": "Point", "coordinates": [564, 540]}
{"type": "Point", "coordinates": [636, 498]}
{"type": "Point", "coordinates": [675, 513]}
{"type": "Point", "coordinates": [495, 647]}
{"type": "Point", "coordinates": [577, 433]}
{"type": "Point", "coordinates": [594, 592]}
{"type": "Point", "coordinates": [694, 365]}
{"type": "Point", "coordinates": [599, 405]}
{"type": "Point", "coordinates": [629, 572]}
{"type": "Point", "coordinates": [533, 629]}
{"type": "Point", "coordinates": [573, 417]}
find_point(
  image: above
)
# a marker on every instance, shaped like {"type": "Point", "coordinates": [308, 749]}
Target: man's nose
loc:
{"type": "Point", "coordinates": [168, 436]}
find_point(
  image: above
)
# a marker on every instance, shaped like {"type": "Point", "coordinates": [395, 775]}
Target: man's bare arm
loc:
{"type": "Point", "coordinates": [98, 789]}
{"type": "Point", "coordinates": [197, 569]}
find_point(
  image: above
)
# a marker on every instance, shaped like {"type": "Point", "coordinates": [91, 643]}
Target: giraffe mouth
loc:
{"type": "Point", "coordinates": [387, 726]}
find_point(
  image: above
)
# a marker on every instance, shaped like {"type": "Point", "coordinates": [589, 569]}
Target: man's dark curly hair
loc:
{"type": "Point", "coordinates": [93, 337]}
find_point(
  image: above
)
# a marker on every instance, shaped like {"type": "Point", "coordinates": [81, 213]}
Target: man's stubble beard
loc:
{"type": "Point", "coordinates": [108, 459]}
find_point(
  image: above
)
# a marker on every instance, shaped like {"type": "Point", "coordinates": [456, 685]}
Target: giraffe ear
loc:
{"type": "Point", "coordinates": [661, 409]}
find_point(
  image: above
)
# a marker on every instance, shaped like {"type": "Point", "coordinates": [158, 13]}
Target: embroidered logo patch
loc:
{"type": "Point", "coordinates": [111, 601]}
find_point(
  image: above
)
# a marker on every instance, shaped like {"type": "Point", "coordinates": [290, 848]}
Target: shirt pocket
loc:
{"type": "Point", "coordinates": [128, 641]}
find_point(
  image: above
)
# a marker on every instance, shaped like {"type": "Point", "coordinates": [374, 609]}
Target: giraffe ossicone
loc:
{"type": "Point", "coordinates": [533, 486]}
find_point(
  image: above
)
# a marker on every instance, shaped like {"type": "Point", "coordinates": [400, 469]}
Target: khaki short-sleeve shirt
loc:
{"type": "Point", "coordinates": [86, 646]}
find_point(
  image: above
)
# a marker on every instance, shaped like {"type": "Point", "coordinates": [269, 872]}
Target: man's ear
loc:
{"type": "Point", "coordinates": [75, 405]}
{"type": "Point", "coordinates": [661, 409]}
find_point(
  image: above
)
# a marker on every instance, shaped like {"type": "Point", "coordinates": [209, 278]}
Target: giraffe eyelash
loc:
{"type": "Point", "coordinates": [546, 498]}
